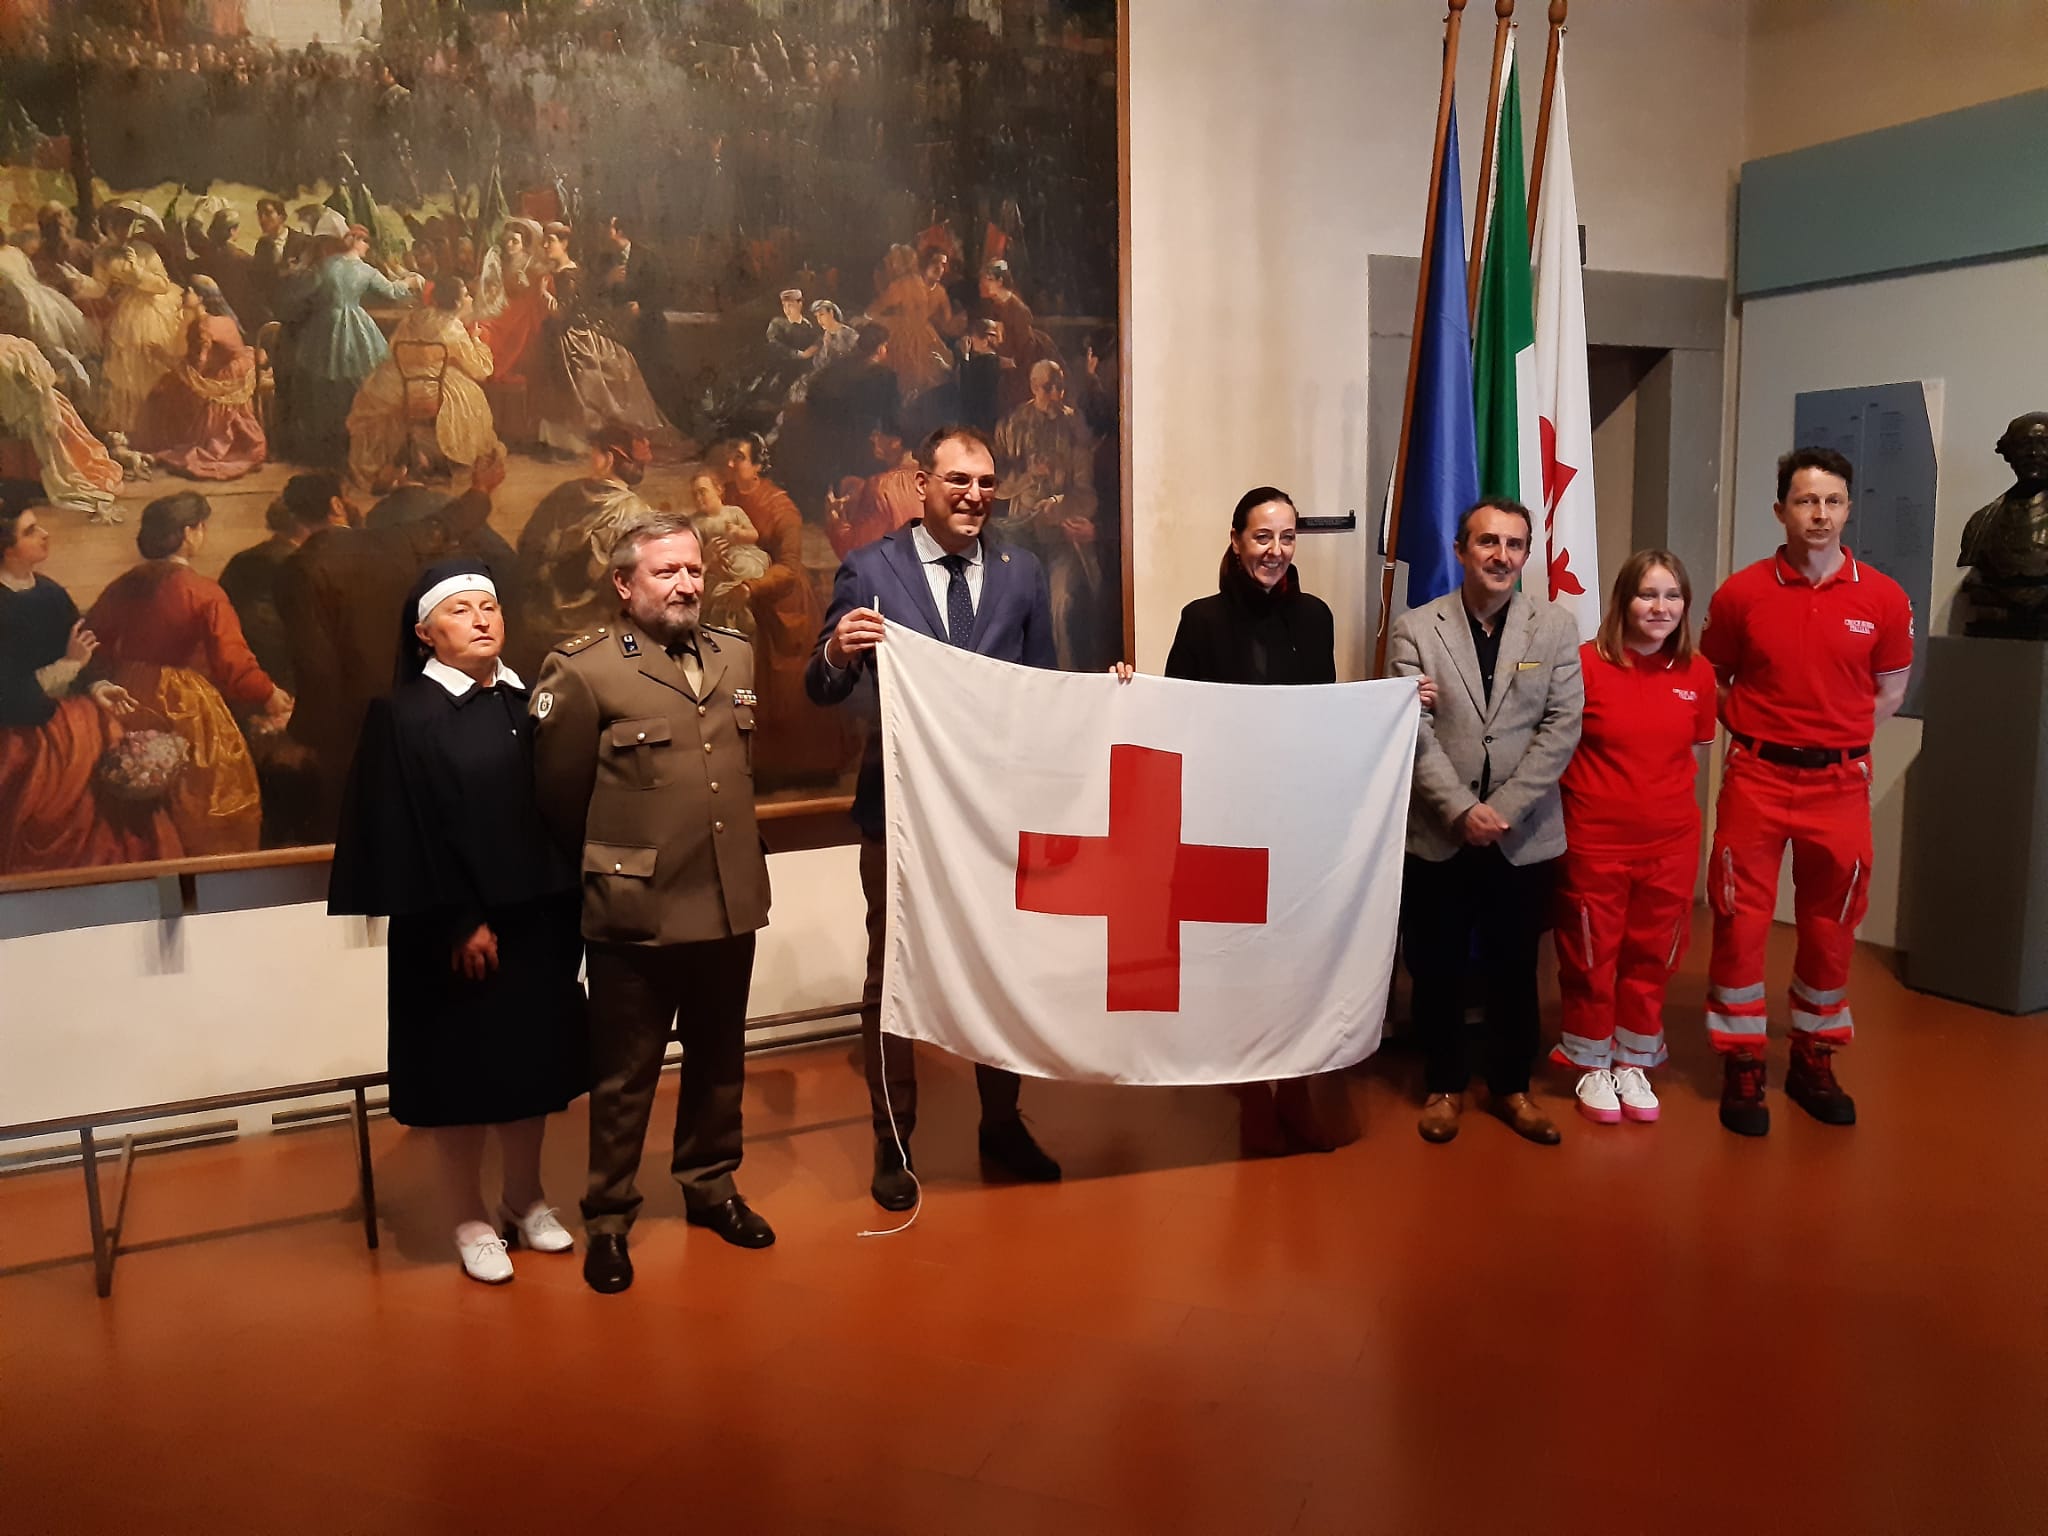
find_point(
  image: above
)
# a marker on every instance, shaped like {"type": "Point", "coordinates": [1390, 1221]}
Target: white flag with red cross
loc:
{"type": "Point", "coordinates": [1157, 882]}
{"type": "Point", "coordinates": [1567, 554]}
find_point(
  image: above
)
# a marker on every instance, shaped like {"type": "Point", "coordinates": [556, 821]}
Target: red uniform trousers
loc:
{"type": "Point", "coordinates": [1622, 923]}
{"type": "Point", "coordinates": [1824, 813]}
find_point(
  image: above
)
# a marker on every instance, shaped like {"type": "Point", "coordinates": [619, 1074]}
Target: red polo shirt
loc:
{"type": "Point", "coordinates": [1629, 786]}
{"type": "Point", "coordinates": [1803, 660]}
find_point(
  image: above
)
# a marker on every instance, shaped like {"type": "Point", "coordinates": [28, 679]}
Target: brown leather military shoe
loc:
{"type": "Point", "coordinates": [1526, 1120]}
{"type": "Point", "coordinates": [1440, 1111]}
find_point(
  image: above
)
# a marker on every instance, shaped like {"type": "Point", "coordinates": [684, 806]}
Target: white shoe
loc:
{"type": "Point", "coordinates": [1597, 1101]}
{"type": "Point", "coordinates": [538, 1229]}
{"type": "Point", "coordinates": [1632, 1087]}
{"type": "Point", "coordinates": [483, 1253]}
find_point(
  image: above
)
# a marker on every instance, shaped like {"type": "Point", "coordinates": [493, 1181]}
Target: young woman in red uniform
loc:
{"type": "Point", "coordinates": [1632, 828]}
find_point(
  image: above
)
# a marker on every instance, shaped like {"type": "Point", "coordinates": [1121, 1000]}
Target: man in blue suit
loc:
{"type": "Point", "coordinates": [942, 578]}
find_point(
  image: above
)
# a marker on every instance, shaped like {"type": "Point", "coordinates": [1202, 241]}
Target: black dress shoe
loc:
{"type": "Point", "coordinates": [1008, 1150]}
{"type": "Point", "coordinates": [606, 1267]}
{"type": "Point", "coordinates": [895, 1186]}
{"type": "Point", "coordinates": [734, 1221]}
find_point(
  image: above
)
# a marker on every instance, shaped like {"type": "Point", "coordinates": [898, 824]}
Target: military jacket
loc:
{"type": "Point", "coordinates": [651, 784]}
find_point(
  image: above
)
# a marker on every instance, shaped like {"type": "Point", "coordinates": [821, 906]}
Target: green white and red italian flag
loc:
{"type": "Point", "coordinates": [1530, 398]}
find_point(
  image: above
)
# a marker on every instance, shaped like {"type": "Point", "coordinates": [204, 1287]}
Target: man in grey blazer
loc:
{"type": "Point", "coordinates": [941, 577]}
{"type": "Point", "coordinates": [1485, 825]}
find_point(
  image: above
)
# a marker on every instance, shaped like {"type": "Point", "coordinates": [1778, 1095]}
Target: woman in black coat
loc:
{"type": "Point", "coordinates": [440, 832]}
{"type": "Point", "coordinates": [1260, 627]}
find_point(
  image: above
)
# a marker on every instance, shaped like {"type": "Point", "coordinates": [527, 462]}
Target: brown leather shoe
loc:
{"type": "Point", "coordinates": [1526, 1120]}
{"type": "Point", "coordinates": [1440, 1113]}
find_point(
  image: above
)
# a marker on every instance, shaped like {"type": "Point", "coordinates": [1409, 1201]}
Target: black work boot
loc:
{"type": "Point", "coordinates": [1810, 1083]}
{"type": "Point", "coordinates": [1742, 1094]}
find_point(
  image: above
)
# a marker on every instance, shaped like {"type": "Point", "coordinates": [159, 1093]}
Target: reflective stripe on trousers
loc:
{"type": "Point", "coordinates": [1827, 1026]}
{"type": "Point", "coordinates": [1735, 1028]}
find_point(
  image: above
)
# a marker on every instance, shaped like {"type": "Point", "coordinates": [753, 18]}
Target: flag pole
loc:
{"type": "Point", "coordinates": [1436, 179]}
{"type": "Point", "coordinates": [1503, 13]}
{"type": "Point", "coordinates": [1557, 10]}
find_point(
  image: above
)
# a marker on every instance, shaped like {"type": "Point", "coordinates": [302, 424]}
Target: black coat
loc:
{"type": "Point", "coordinates": [1245, 634]}
{"type": "Point", "coordinates": [441, 832]}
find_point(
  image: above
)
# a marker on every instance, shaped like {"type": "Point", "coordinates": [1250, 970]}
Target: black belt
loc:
{"type": "Point", "coordinates": [1799, 757]}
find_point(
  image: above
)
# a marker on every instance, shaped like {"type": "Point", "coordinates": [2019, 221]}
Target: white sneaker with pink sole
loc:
{"type": "Point", "coordinates": [1632, 1088]}
{"type": "Point", "coordinates": [1597, 1099]}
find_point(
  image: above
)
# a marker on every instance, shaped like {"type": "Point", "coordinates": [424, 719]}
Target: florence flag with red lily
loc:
{"type": "Point", "coordinates": [1158, 882]}
{"type": "Point", "coordinates": [1569, 545]}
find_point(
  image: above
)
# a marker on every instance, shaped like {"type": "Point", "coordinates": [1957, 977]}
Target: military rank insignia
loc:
{"type": "Point", "coordinates": [744, 697]}
{"type": "Point", "coordinates": [630, 644]}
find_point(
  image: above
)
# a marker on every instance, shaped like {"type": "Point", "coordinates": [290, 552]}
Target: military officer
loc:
{"type": "Point", "coordinates": [643, 756]}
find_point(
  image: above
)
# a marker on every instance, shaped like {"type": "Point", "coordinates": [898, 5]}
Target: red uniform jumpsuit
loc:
{"type": "Point", "coordinates": [1802, 663]}
{"type": "Point", "coordinates": [1632, 830]}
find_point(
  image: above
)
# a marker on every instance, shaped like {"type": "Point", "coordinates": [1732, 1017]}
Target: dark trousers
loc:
{"type": "Point", "coordinates": [638, 994]}
{"type": "Point", "coordinates": [1475, 911]}
{"type": "Point", "coordinates": [998, 1088]}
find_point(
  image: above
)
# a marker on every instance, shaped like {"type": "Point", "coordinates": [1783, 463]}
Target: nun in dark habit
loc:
{"type": "Point", "coordinates": [440, 833]}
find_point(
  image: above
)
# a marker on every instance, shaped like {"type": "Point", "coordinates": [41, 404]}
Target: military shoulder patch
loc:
{"type": "Point", "coordinates": [543, 704]}
{"type": "Point", "coordinates": [583, 642]}
{"type": "Point", "coordinates": [720, 629]}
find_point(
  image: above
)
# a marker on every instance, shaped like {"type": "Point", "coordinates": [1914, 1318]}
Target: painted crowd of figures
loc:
{"type": "Point", "coordinates": [752, 328]}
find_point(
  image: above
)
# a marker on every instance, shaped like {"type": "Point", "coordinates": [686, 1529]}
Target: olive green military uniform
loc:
{"type": "Point", "coordinates": [643, 763]}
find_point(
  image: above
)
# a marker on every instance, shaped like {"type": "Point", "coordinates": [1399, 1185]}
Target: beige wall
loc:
{"type": "Point", "coordinates": [1827, 69]}
{"type": "Point", "coordinates": [113, 1006]}
{"type": "Point", "coordinates": [1614, 474]}
{"type": "Point", "coordinates": [1273, 148]}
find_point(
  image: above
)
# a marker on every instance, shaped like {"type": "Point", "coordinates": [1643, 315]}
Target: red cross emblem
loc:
{"type": "Point", "coordinates": [1143, 878]}
{"type": "Point", "coordinates": [1556, 476]}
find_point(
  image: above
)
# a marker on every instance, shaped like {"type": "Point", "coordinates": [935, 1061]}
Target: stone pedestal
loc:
{"type": "Point", "coordinates": [1974, 889]}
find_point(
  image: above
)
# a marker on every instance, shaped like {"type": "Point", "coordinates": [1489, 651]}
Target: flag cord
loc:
{"type": "Point", "coordinates": [882, 1067]}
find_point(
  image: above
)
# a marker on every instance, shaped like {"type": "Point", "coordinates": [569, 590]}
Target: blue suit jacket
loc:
{"type": "Point", "coordinates": [1012, 622]}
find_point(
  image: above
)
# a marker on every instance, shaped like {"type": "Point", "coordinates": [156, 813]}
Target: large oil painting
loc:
{"type": "Point", "coordinates": [299, 296]}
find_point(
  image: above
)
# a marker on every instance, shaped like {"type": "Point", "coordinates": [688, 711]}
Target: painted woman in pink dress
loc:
{"type": "Point", "coordinates": [200, 420]}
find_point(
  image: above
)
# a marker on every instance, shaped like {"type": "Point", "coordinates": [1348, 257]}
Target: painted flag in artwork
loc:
{"type": "Point", "coordinates": [1567, 547]}
{"type": "Point", "coordinates": [1504, 344]}
{"type": "Point", "coordinates": [1441, 476]}
{"type": "Point", "coordinates": [1116, 882]}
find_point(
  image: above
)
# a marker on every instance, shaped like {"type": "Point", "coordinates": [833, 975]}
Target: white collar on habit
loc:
{"type": "Point", "coordinates": [459, 683]}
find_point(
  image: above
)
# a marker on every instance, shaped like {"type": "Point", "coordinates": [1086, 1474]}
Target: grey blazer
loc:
{"type": "Point", "coordinates": [1523, 737]}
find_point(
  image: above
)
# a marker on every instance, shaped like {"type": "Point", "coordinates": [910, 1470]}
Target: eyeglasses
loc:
{"type": "Point", "coordinates": [957, 481]}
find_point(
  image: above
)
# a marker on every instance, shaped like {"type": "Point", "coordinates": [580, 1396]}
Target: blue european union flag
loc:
{"type": "Point", "coordinates": [1442, 477]}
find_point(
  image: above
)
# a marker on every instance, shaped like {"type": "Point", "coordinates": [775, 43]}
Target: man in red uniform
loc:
{"type": "Point", "coordinates": [1813, 649]}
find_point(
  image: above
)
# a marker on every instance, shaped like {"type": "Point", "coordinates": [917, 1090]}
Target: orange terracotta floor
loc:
{"type": "Point", "coordinates": [1654, 1329]}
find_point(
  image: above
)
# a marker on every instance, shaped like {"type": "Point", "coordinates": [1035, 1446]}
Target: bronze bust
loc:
{"type": "Point", "coordinates": [2006, 543]}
